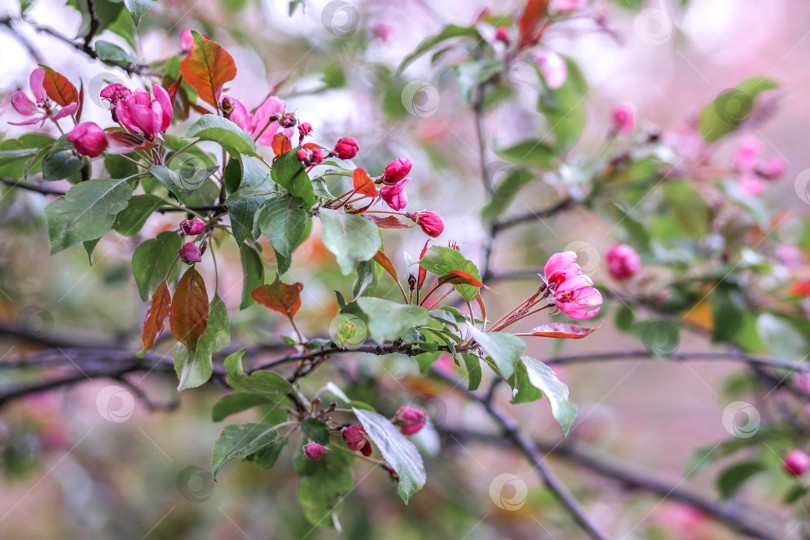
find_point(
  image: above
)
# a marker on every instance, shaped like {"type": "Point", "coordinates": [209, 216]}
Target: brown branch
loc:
{"type": "Point", "coordinates": [534, 215]}
{"type": "Point", "coordinates": [30, 187]}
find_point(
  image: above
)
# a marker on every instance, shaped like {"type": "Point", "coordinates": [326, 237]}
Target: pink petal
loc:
{"type": "Point", "coordinates": [66, 111]}
{"type": "Point", "coordinates": [240, 116]}
{"type": "Point", "coordinates": [36, 82]}
{"type": "Point", "coordinates": [22, 104]}
{"type": "Point", "coordinates": [162, 97]}
{"type": "Point", "coordinates": [28, 122]}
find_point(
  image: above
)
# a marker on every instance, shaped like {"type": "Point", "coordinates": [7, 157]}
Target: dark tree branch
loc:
{"type": "Point", "coordinates": [533, 215]}
{"type": "Point", "coordinates": [30, 187]}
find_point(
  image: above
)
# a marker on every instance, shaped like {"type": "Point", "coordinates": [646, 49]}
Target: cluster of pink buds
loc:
{"type": "Point", "coordinates": [574, 293]}
{"type": "Point", "coordinates": [355, 438]}
{"type": "Point", "coordinates": [410, 420]}
{"type": "Point", "coordinates": [310, 154]}
{"type": "Point", "coordinates": [42, 107]}
{"type": "Point", "coordinates": [190, 253]}
{"type": "Point", "coordinates": [751, 171]}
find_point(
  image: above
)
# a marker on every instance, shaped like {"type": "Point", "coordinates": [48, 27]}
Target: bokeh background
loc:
{"type": "Point", "coordinates": [78, 467]}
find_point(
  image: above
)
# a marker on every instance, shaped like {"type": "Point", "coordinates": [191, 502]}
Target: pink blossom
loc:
{"type": "Point", "coordinates": [115, 93]}
{"type": "Point", "coordinates": [314, 451]}
{"type": "Point", "coordinates": [431, 223]}
{"type": "Point", "coordinates": [310, 155]}
{"type": "Point", "coordinates": [568, 5]}
{"type": "Point", "coordinates": [796, 462]}
{"type": "Point", "coordinates": [23, 104]}
{"type": "Point", "coordinates": [396, 170]}
{"type": "Point", "coordinates": [192, 227]}
{"type": "Point", "coordinates": [303, 130]}
{"type": "Point", "coordinates": [186, 40]}
{"type": "Point", "coordinates": [561, 266]}
{"type": "Point", "coordinates": [395, 196]}
{"type": "Point", "coordinates": [624, 118]}
{"type": "Point", "coordinates": [142, 115]}
{"type": "Point", "coordinates": [89, 139]}
{"type": "Point", "coordinates": [381, 31]}
{"type": "Point", "coordinates": [553, 68]}
{"type": "Point", "coordinates": [752, 184]}
{"type": "Point", "coordinates": [346, 148]}
{"type": "Point", "coordinates": [773, 168]}
{"type": "Point", "coordinates": [623, 261]}
{"type": "Point", "coordinates": [410, 420]}
{"type": "Point", "coordinates": [747, 154]}
{"type": "Point", "coordinates": [190, 253]}
{"type": "Point", "coordinates": [502, 34]}
{"type": "Point", "coordinates": [254, 123]}
{"type": "Point", "coordinates": [577, 298]}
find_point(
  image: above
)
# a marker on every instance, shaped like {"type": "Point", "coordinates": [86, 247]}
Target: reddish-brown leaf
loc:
{"type": "Point", "coordinates": [156, 316]}
{"type": "Point", "coordinates": [80, 108]}
{"type": "Point", "coordinates": [175, 87]}
{"type": "Point", "coordinates": [363, 184]}
{"type": "Point", "coordinates": [281, 144]}
{"type": "Point", "coordinates": [121, 142]}
{"type": "Point", "coordinates": [457, 277]}
{"type": "Point", "coordinates": [189, 314]}
{"type": "Point", "coordinates": [385, 262]}
{"type": "Point", "coordinates": [560, 330]}
{"type": "Point", "coordinates": [389, 222]}
{"type": "Point", "coordinates": [280, 297]}
{"type": "Point", "coordinates": [58, 88]}
{"type": "Point", "coordinates": [207, 68]}
{"type": "Point", "coordinates": [531, 21]}
{"type": "Point", "coordinates": [422, 271]}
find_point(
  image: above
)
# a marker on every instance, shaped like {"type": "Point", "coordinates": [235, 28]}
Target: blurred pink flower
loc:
{"type": "Point", "coordinates": [623, 261]}
{"type": "Point", "coordinates": [568, 5]}
{"type": "Point", "coordinates": [553, 68]}
{"type": "Point", "coordinates": [788, 254]}
{"type": "Point", "coordinates": [623, 118]}
{"type": "Point", "coordinates": [773, 168]}
{"type": "Point", "coordinates": [410, 420]}
{"type": "Point", "coordinates": [752, 184]}
{"type": "Point", "coordinates": [747, 153]}
{"type": "Point", "coordinates": [796, 462]}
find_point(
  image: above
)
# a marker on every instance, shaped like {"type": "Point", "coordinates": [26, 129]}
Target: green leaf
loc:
{"type": "Point", "coordinates": [316, 430]}
{"type": "Point", "coordinates": [183, 182]}
{"type": "Point", "coordinates": [283, 221]}
{"type": "Point", "coordinates": [564, 108]}
{"type": "Point", "coordinates": [350, 237]}
{"type": "Point", "coordinates": [732, 478]}
{"type": "Point", "coordinates": [732, 107]}
{"type": "Point", "coordinates": [504, 349]}
{"type": "Point", "coordinates": [442, 260]}
{"type": "Point", "coordinates": [193, 368]}
{"type": "Point", "coordinates": [530, 153]}
{"type": "Point", "coordinates": [323, 484]}
{"type": "Point", "coordinates": [544, 379]}
{"type": "Point", "coordinates": [58, 164]}
{"type": "Point", "coordinates": [221, 130]}
{"type": "Point", "coordinates": [252, 274]}
{"type": "Point", "coordinates": [86, 212]}
{"type": "Point", "coordinates": [137, 8]}
{"type": "Point", "coordinates": [688, 207]}
{"type": "Point", "coordinates": [728, 308]}
{"type": "Point", "coordinates": [289, 173]}
{"type": "Point", "coordinates": [217, 333]}
{"type": "Point", "coordinates": [397, 451]}
{"type": "Point", "coordinates": [236, 403]}
{"type": "Point", "coordinates": [240, 441]}
{"type": "Point", "coordinates": [474, 372]}
{"type": "Point", "coordinates": [448, 32]}
{"type": "Point", "coordinates": [152, 260]}
{"type": "Point", "coordinates": [472, 74]}
{"type": "Point", "coordinates": [782, 339]}
{"type": "Point", "coordinates": [113, 55]}
{"type": "Point", "coordinates": [131, 220]}
{"type": "Point", "coordinates": [266, 382]}
{"type": "Point", "coordinates": [389, 320]}
{"type": "Point", "coordinates": [267, 456]}
{"type": "Point", "coordinates": [505, 192]}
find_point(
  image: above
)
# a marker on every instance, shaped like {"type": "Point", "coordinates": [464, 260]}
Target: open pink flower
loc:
{"type": "Point", "coordinates": [395, 196]}
{"type": "Point", "coordinates": [561, 266]}
{"type": "Point", "coordinates": [577, 298]}
{"type": "Point", "coordinates": [255, 122]}
{"type": "Point", "coordinates": [623, 261]}
{"type": "Point", "coordinates": [42, 107]}
{"type": "Point", "coordinates": [553, 68]}
{"type": "Point", "coordinates": [89, 139]}
{"type": "Point", "coordinates": [142, 115]}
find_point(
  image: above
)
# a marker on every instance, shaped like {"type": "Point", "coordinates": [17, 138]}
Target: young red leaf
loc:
{"type": "Point", "coordinates": [530, 22]}
{"type": "Point", "coordinates": [280, 297]}
{"type": "Point", "coordinates": [207, 68]}
{"type": "Point", "coordinates": [80, 108]}
{"type": "Point", "coordinates": [560, 330]}
{"type": "Point", "coordinates": [800, 288]}
{"type": "Point", "coordinates": [363, 184]}
{"type": "Point", "coordinates": [174, 88]}
{"type": "Point", "coordinates": [422, 271]}
{"type": "Point", "coordinates": [281, 144]}
{"type": "Point", "coordinates": [389, 222]}
{"type": "Point", "coordinates": [457, 277]}
{"type": "Point", "coordinates": [121, 142]}
{"type": "Point", "coordinates": [156, 316]}
{"type": "Point", "coordinates": [189, 313]}
{"type": "Point", "coordinates": [58, 88]}
{"type": "Point", "coordinates": [385, 262]}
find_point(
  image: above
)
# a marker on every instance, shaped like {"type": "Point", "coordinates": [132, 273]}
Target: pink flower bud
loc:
{"type": "Point", "coordinates": [287, 121]}
{"type": "Point", "coordinates": [89, 139]}
{"type": "Point", "coordinates": [752, 184]}
{"type": "Point", "coordinates": [355, 437]}
{"type": "Point", "coordinates": [502, 34]}
{"type": "Point", "coordinates": [186, 40]}
{"type": "Point", "coordinates": [346, 148]}
{"type": "Point", "coordinates": [577, 298]}
{"type": "Point", "coordinates": [553, 68]}
{"type": "Point", "coordinates": [560, 267]}
{"type": "Point", "coordinates": [410, 420]}
{"type": "Point", "coordinates": [192, 227]}
{"type": "Point", "coordinates": [381, 31]}
{"type": "Point", "coordinates": [747, 154]}
{"type": "Point", "coordinates": [304, 130]}
{"type": "Point", "coordinates": [395, 196]}
{"type": "Point", "coordinates": [190, 253]}
{"type": "Point", "coordinates": [623, 261]}
{"type": "Point", "coordinates": [432, 224]}
{"type": "Point", "coordinates": [115, 93]}
{"type": "Point", "coordinates": [143, 115]}
{"type": "Point", "coordinates": [396, 170]}
{"type": "Point", "coordinates": [624, 118]}
{"type": "Point", "coordinates": [314, 451]}
{"type": "Point", "coordinates": [310, 155]}
{"type": "Point", "coordinates": [796, 462]}
{"type": "Point", "coordinates": [773, 168]}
